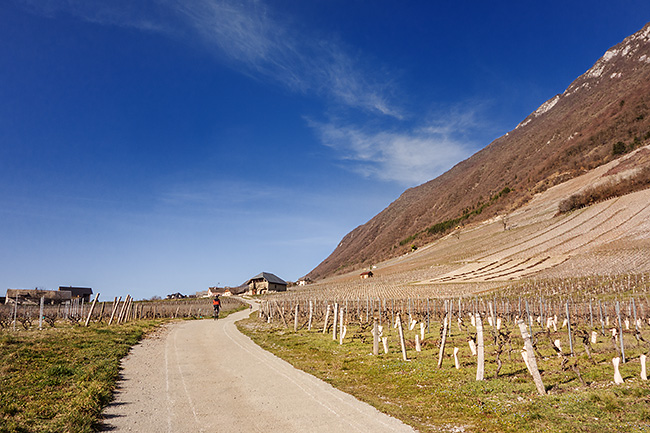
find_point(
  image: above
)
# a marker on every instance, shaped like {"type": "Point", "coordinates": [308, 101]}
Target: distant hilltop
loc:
{"type": "Point", "coordinates": [602, 115]}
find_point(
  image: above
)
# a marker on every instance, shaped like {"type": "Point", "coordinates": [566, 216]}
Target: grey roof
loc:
{"type": "Point", "coordinates": [268, 277]}
{"type": "Point", "coordinates": [77, 291]}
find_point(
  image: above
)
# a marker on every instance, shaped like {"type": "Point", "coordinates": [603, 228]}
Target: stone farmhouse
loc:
{"type": "Point", "coordinates": [33, 296]}
{"type": "Point", "coordinates": [264, 283]}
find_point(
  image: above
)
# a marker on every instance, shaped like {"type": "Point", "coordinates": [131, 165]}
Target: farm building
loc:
{"type": "Point", "coordinates": [214, 291]}
{"type": "Point", "coordinates": [265, 282]}
{"type": "Point", "coordinates": [33, 296]}
{"type": "Point", "coordinates": [78, 292]}
{"type": "Point", "coordinates": [366, 274]}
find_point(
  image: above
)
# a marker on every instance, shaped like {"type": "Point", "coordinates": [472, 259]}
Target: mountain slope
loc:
{"type": "Point", "coordinates": [568, 135]}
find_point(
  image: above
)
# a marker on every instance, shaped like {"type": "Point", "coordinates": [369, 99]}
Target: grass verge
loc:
{"type": "Point", "coordinates": [60, 379]}
{"type": "Point", "coordinates": [435, 399]}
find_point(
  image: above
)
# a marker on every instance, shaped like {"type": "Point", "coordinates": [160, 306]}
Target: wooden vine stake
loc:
{"type": "Point", "coordinates": [401, 337]}
{"type": "Point", "coordinates": [311, 314]}
{"type": "Point", "coordinates": [342, 328]}
{"type": "Point", "coordinates": [277, 306]}
{"type": "Point", "coordinates": [443, 341]}
{"type": "Point", "coordinates": [568, 320]}
{"type": "Point", "coordinates": [327, 317]}
{"type": "Point", "coordinates": [40, 314]}
{"type": "Point", "coordinates": [295, 319]}
{"type": "Point", "coordinates": [375, 337]}
{"type": "Point", "coordinates": [620, 329]}
{"type": "Point", "coordinates": [92, 307]}
{"type": "Point", "coordinates": [530, 357]}
{"type": "Point", "coordinates": [116, 303]}
{"type": "Point", "coordinates": [336, 313]}
{"type": "Point", "coordinates": [480, 366]}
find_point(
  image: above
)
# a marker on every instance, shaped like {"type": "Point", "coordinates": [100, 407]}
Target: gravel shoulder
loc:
{"type": "Point", "coordinates": [206, 376]}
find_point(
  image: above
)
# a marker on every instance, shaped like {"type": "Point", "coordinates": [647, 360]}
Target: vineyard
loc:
{"type": "Point", "coordinates": [17, 315]}
{"type": "Point", "coordinates": [559, 339]}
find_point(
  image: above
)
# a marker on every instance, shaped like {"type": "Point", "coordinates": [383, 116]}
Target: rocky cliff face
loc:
{"type": "Point", "coordinates": [602, 114]}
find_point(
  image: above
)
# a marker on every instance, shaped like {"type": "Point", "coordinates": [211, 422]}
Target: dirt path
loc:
{"type": "Point", "coordinates": [205, 376]}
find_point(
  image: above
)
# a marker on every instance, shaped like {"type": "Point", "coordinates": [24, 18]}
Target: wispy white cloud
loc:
{"type": "Point", "coordinates": [254, 37]}
{"type": "Point", "coordinates": [226, 195]}
{"type": "Point", "coordinates": [409, 157]}
{"type": "Point", "coordinates": [143, 15]}
{"type": "Point", "coordinates": [256, 40]}
{"type": "Point", "coordinates": [250, 37]}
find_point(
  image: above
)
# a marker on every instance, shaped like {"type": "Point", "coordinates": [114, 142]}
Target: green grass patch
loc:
{"type": "Point", "coordinates": [435, 399]}
{"type": "Point", "coordinates": [60, 379]}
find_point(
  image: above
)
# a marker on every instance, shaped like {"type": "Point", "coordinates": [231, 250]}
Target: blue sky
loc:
{"type": "Point", "coordinates": [170, 145]}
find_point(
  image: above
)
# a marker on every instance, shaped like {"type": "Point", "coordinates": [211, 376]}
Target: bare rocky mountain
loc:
{"type": "Point", "coordinates": [602, 115]}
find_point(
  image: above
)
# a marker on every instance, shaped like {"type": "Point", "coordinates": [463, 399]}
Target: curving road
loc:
{"type": "Point", "coordinates": [206, 376]}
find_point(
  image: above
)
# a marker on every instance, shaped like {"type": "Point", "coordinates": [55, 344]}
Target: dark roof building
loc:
{"type": "Point", "coordinates": [265, 282]}
{"type": "Point", "coordinates": [78, 292]}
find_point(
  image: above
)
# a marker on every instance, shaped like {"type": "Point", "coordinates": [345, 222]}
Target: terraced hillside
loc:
{"type": "Point", "coordinates": [611, 237]}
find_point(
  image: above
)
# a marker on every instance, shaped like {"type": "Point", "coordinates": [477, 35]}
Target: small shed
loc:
{"type": "Point", "coordinates": [78, 292]}
{"type": "Point", "coordinates": [367, 274]}
{"type": "Point", "coordinates": [265, 282]}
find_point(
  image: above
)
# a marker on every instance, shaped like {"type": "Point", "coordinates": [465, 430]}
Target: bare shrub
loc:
{"type": "Point", "coordinates": [589, 196]}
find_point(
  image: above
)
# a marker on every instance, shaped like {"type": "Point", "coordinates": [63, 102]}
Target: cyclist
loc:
{"type": "Point", "coordinates": [216, 305]}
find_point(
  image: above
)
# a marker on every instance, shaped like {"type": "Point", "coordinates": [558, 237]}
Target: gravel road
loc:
{"type": "Point", "coordinates": [205, 376]}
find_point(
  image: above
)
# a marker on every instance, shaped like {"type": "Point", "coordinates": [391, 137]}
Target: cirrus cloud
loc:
{"type": "Point", "coordinates": [409, 157]}
{"type": "Point", "coordinates": [251, 38]}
